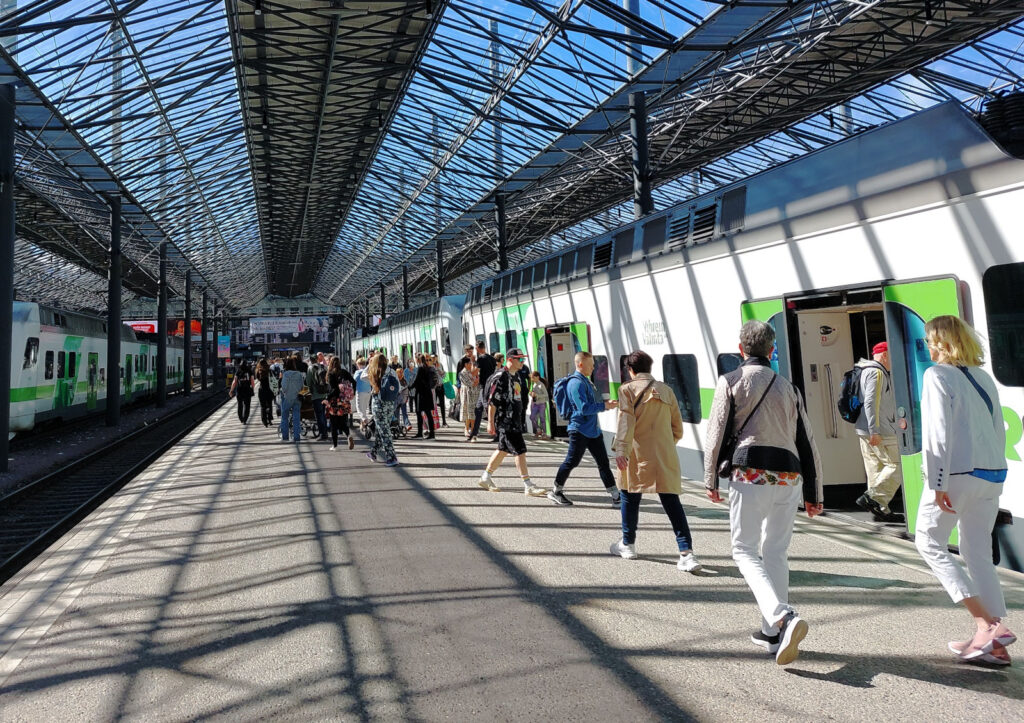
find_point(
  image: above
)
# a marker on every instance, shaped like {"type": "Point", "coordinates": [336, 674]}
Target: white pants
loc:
{"type": "Point", "coordinates": [363, 406]}
{"type": "Point", "coordinates": [976, 502]}
{"type": "Point", "coordinates": [762, 518]}
{"type": "Point", "coordinates": [882, 466]}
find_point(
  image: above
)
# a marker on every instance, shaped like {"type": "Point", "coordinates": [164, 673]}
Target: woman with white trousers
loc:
{"type": "Point", "coordinates": [964, 465]}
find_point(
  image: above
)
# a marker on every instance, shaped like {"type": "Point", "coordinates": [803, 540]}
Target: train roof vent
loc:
{"type": "Point", "coordinates": [678, 231]}
{"type": "Point", "coordinates": [603, 255]}
{"type": "Point", "coordinates": [704, 224]}
{"type": "Point", "coordinates": [488, 290]}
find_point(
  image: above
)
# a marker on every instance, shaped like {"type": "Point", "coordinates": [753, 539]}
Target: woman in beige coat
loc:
{"type": "Point", "coordinates": [645, 447]}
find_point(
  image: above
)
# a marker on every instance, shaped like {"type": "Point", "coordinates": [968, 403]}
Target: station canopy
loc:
{"type": "Point", "coordinates": [287, 149]}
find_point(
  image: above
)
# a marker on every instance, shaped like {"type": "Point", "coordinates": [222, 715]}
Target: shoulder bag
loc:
{"type": "Point", "coordinates": [729, 445]}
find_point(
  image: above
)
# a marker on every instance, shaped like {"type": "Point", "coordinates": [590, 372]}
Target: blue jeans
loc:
{"type": "Point", "coordinates": [673, 508]}
{"type": "Point", "coordinates": [578, 444]}
{"type": "Point", "coordinates": [291, 407]}
{"type": "Point", "coordinates": [404, 409]}
{"type": "Point", "coordinates": [321, 417]}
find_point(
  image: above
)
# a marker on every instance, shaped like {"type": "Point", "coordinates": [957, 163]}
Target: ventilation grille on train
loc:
{"type": "Point", "coordinates": [678, 231]}
{"type": "Point", "coordinates": [603, 256]}
{"type": "Point", "coordinates": [704, 224]}
{"type": "Point", "coordinates": [488, 290]}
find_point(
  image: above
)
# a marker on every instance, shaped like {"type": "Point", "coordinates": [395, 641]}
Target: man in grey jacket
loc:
{"type": "Point", "coordinates": [876, 429]}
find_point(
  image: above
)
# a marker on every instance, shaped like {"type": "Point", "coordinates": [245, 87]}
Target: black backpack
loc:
{"type": "Point", "coordinates": [851, 400]}
{"type": "Point", "coordinates": [320, 385]}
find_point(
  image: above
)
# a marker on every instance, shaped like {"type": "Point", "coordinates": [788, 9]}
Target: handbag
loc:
{"type": "Point", "coordinates": [729, 445]}
{"type": "Point", "coordinates": [455, 410]}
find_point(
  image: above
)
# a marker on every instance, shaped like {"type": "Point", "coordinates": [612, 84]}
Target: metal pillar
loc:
{"type": "Point", "coordinates": [439, 247]}
{"type": "Point", "coordinates": [499, 151]}
{"type": "Point", "coordinates": [643, 203]}
{"type": "Point", "coordinates": [225, 330]}
{"type": "Point", "coordinates": [6, 263]}
{"type": "Point", "coordinates": [383, 302]}
{"type": "Point", "coordinates": [161, 331]}
{"type": "Point", "coordinates": [366, 312]}
{"type": "Point", "coordinates": [499, 219]}
{"type": "Point", "coordinates": [214, 354]}
{"type": "Point", "coordinates": [204, 348]}
{"type": "Point", "coordinates": [186, 364]}
{"type": "Point", "coordinates": [405, 288]}
{"type": "Point", "coordinates": [114, 316]}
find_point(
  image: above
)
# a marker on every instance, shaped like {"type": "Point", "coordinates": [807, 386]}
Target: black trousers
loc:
{"type": "Point", "coordinates": [439, 400]}
{"type": "Point", "coordinates": [430, 421]}
{"type": "Point", "coordinates": [244, 402]}
{"type": "Point", "coordinates": [339, 425]}
{"type": "Point", "coordinates": [267, 407]}
{"type": "Point", "coordinates": [578, 444]}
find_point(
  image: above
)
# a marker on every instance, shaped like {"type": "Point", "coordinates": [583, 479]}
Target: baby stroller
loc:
{"type": "Point", "coordinates": [307, 416]}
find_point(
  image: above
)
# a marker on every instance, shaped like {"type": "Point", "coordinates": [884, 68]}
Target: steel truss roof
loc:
{"type": "Point", "coordinates": [319, 83]}
{"type": "Point", "coordinates": [740, 79]}
{"type": "Point", "coordinates": [149, 89]}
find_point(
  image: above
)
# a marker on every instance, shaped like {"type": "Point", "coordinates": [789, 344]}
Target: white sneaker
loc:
{"type": "Point", "coordinates": [534, 491]}
{"type": "Point", "coordinates": [334, 447]}
{"type": "Point", "coordinates": [688, 562]}
{"type": "Point", "coordinates": [487, 483]}
{"type": "Point", "coordinates": [627, 552]}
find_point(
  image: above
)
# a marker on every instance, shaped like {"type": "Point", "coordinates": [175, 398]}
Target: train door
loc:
{"type": "Point", "coordinates": [128, 377]}
{"type": "Point", "coordinates": [555, 353]}
{"type": "Point", "coordinates": [826, 352]}
{"type": "Point", "coordinates": [92, 377]}
{"type": "Point", "coordinates": [908, 306]}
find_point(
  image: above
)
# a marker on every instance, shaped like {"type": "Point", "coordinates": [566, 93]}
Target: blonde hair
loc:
{"type": "Point", "coordinates": [378, 365]}
{"type": "Point", "coordinates": [581, 355]}
{"type": "Point", "coordinates": [954, 341]}
{"type": "Point", "coordinates": [361, 360]}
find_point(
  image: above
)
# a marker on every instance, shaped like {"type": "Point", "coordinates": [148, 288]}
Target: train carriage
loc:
{"type": "Point", "coordinates": [860, 242]}
{"type": "Point", "coordinates": [59, 365]}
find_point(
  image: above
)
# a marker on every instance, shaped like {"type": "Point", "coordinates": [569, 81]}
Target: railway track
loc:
{"type": "Point", "coordinates": [33, 516]}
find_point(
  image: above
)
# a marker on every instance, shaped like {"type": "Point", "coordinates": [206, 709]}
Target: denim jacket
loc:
{"type": "Point", "coordinates": [582, 396]}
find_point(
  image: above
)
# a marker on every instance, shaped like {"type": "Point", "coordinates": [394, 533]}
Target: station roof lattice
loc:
{"type": "Point", "coordinates": [289, 146]}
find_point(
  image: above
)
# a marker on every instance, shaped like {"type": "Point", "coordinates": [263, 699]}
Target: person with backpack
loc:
{"type": "Point", "coordinates": [265, 392]}
{"type": "Point", "coordinates": [338, 403]}
{"type": "Point", "coordinates": [316, 382]}
{"type": "Point", "coordinates": [242, 390]}
{"type": "Point", "coordinates": [759, 439]}
{"type": "Point", "coordinates": [487, 366]}
{"type": "Point", "coordinates": [538, 405]}
{"type": "Point", "coordinates": [876, 430]}
{"type": "Point", "coordinates": [385, 389]}
{"type": "Point", "coordinates": [504, 401]}
{"type": "Point", "coordinates": [439, 394]}
{"type": "Point", "coordinates": [963, 441]}
{"type": "Point", "coordinates": [576, 399]}
{"type": "Point", "coordinates": [649, 427]}
{"type": "Point", "coordinates": [362, 394]}
{"type": "Point", "coordinates": [291, 389]}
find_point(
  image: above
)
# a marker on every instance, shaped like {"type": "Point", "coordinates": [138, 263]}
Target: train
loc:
{"type": "Point", "coordinates": [860, 242]}
{"type": "Point", "coordinates": [59, 365]}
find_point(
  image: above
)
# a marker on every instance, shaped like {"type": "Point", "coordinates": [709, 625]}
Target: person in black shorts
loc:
{"type": "Point", "coordinates": [505, 418]}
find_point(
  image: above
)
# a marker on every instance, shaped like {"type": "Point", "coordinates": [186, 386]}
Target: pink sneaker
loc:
{"type": "Point", "coordinates": [984, 642]}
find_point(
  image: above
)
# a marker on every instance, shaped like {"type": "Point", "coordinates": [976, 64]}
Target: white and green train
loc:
{"type": "Point", "coordinates": [59, 365]}
{"type": "Point", "coordinates": [861, 242]}
{"type": "Point", "coordinates": [432, 328]}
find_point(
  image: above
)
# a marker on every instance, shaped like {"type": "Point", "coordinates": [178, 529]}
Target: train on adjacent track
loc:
{"type": "Point", "coordinates": [860, 242]}
{"type": "Point", "coordinates": [59, 365]}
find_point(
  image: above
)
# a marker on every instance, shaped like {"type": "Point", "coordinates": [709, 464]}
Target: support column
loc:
{"type": "Point", "coordinates": [114, 382]}
{"type": "Point", "coordinates": [405, 288]}
{"type": "Point", "coordinates": [383, 302]}
{"type": "Point", "coordinates": [204, 346]}
{"type": "Point", "coordinates": [214, 358]}
{"type": "Point", "coordinates": [186, 363]}
{"type": "Point", "coordinates": [161, 331]}
{"type": "Point", "coordinates": [6, 263]}
{"type": "Point", "coordinates": [366, 313]}
{"type": "Point", "coordinates": [499, 219]}
{"type": "Point", "coordinates": [439, 248]}
{"type": "Point", "coordinates": [225, 330]}
{"type": "Point", "coordinates": [643, 204]}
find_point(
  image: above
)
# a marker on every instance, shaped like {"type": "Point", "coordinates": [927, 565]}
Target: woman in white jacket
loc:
{"type": "Point", "coordinates": [963, 443]}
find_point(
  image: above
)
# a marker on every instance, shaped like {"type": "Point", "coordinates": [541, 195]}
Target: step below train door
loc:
{"type": "Point", "coordinates": [908, 307]}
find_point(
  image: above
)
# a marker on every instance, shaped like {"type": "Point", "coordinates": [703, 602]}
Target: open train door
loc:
{"type": "Point", "coordinates": [555, 350]}
{"type": "Point", "coordinates": [908, 306]}
{"type": "Point", "coordinates": [772, 312]}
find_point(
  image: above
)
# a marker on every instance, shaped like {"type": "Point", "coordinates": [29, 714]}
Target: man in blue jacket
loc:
{"type": "Point", "coordinates": [584, 434]}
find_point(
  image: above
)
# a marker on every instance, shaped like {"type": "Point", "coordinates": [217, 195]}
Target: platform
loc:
{"type": "Point", "coordinates": [241, 578]}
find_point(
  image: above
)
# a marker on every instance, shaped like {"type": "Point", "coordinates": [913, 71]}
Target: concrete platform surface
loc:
{"type": "Point", "coordinates": [241, 578]}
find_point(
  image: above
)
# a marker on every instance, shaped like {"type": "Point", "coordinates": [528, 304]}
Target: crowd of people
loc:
{"type": "Point", "coordinates": [758, 443]}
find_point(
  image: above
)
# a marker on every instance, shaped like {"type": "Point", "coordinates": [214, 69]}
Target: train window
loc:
{"type": "Point", "coordinates": [433, 348]}
{"type": "Point", "coordinates": [623, 369]}
{"type": "Point", "coordinates": [680, 373]}
{"type": "Point", "coordinates": [584, 257]}
{"type": "Point", "coordinates": [71, 364]}
{"type": "Point", "coordinates": [510, 340]}
{"type": "Point", "coordinates": [503, 284]}
{"type": "Point", "coordinates": [136, 363]}
{"type": "Point", "coordinates": [551, 274]}
{"type": "Point", "coordinates": [61, 368]}
{"type": "Point", "coordinates": [538, 273]}
{"type": "Point", "coordinates": [446, 342]}
{"type": "Point", "coordinates": [31, 352]}
{"type": "Point", "coordinates": [49, 365]}
{"type": "Point", "coordinates": [728, 363]}
{"type": "Point", "coordinates": [568, 259]}
{"type": "Point", "coordinates": [602, 377]}
{"type": "Point", "coordinates": [492, 343]}
{"type": "Point", "coordinates": [1005, 310]}
{"type": "Point", "coordinates": [517, 281]}
{"type": "Point", "coordinates": [480, 339]}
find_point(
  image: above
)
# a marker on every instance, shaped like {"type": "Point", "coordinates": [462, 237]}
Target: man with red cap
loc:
{"type": "Point", "coordinates": [876, 428]}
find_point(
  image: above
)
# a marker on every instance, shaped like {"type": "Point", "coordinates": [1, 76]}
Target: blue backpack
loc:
{"type": "Point", "coordinates": [560, 393]}
{"type": "Point", "coordinates": [389, 388]}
